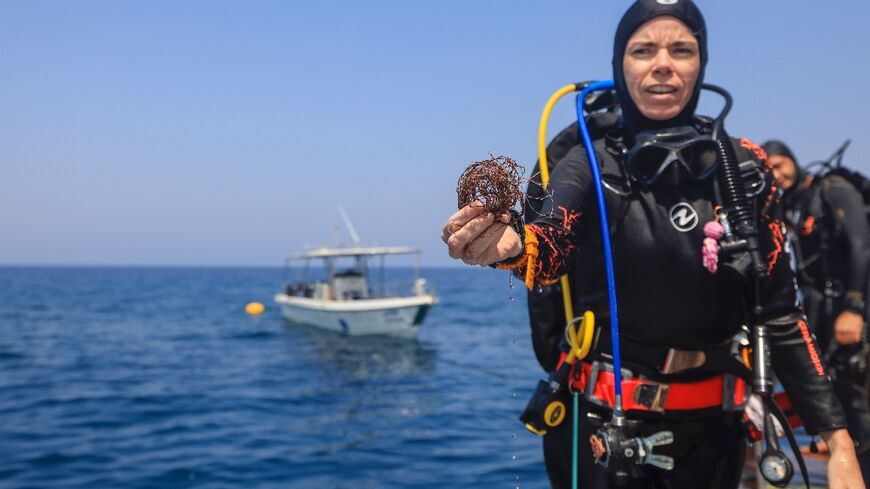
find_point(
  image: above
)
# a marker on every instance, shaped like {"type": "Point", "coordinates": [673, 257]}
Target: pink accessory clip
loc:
{"type": "Point", "coordinates": [710, 250]}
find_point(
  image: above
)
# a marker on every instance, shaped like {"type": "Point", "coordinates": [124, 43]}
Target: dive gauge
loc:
{"type": "Point", "coordinates": [776, 468]}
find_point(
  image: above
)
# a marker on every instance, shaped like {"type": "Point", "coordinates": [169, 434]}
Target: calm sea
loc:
{"type": "Point", "coordinates": [155, 377]}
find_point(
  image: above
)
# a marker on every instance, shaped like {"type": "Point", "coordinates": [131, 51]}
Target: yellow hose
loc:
{"type": "Point", "coordinates": [542, 131]}
{"type": "Point", "coordinates": [545, 178]}
{"type": "Point", "coordinates": [586, 327]}
{"type": "Point", "coordinates": [580, 338]}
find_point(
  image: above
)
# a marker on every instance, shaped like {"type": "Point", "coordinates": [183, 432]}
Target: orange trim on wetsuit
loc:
{"type": "Point", "coordinates": [757, 150]}
{"type": "Point", "coordinates": [811, 348]}
{"type": "Point", "coordinates": [526, 263]}
{"type": "Point", "coordinates": [777, 239]}
{"type": "Point", "coordinates": [532, 260]}
{"type": "Point", "coordinates": [809, 224]}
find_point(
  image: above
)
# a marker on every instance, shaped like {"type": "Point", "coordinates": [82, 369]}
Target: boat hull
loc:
{"type": "Point", "coordinates": [399, 316]}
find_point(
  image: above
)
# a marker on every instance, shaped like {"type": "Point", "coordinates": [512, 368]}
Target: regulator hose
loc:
{"type": "Point", "coordinates": [740, 213]}
{"type": "Point", "coordinates": [739, 206]}
{"type": "Point", "coordinates": [618, 413]}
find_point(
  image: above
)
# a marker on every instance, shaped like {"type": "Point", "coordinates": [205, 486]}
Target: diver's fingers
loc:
{"type": "Point", "coordinates": [498, 243]}
{"type": "Point", "coordinates": [505, 218]}
{"type": "Point", "coordinates": [460, 218]}
{"type": "Point", "coordinates": [484, 245]}
{"type": "Point", "coordinates": [460, 239]}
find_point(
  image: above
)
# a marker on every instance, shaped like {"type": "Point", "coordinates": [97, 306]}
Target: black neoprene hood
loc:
{"type": "Point", "coordinates": [636, 15]}
{"type": "Point", "coordinates": [778, 148]}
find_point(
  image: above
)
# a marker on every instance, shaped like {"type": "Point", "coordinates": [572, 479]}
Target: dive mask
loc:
{"type": "Point", "coordinates": [682, 149]}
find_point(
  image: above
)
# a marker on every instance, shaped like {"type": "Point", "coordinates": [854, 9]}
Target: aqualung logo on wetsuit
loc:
{"type": "Point", "coordinates": [683, 217]}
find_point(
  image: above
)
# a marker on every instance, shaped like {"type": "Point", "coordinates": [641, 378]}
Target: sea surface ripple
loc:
{"type": "Point", "coordinates": [155, 377]}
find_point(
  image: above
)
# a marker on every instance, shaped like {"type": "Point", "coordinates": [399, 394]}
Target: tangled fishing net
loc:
{"type": "Point", "coordinates": [496, 183]}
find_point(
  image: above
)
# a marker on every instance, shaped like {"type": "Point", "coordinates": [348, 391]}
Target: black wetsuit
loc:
{"type": "Point", "coordinates": [827, 219]}
{"type": "Point", "coordinates": [668, 299]}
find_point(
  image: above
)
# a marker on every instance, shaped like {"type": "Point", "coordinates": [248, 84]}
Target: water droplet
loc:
{"type": "Point", "coordinates": [514, 395]}
{"type": "Point", "coordinates": [510, 298]}
{"type": "Point", "coordinates": [513, 457]}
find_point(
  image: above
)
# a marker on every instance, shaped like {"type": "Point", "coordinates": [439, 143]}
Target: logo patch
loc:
{"type": "Point", "coordinates": [684, 218]}
{"type": "Point", "coordinates": [667, 2]}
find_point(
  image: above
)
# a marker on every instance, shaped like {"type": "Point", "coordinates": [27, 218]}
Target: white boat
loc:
{"type": "Point", "coordinates": [347, 301]}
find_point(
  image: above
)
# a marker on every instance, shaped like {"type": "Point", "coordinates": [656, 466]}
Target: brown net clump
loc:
{"type": "Point", "coordinates": [496, 183]}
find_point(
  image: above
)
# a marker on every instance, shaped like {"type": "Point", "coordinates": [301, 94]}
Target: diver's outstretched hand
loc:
{"type": "Point", "coordinates": [843, 469]}
{"type": "Point", "coordinates": [478, 238]}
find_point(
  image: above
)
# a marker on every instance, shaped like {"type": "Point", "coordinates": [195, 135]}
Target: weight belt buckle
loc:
{"type": "Point", "coordinates": [592, 381]}
{"type": "Point", "coordinates": [652, 396]}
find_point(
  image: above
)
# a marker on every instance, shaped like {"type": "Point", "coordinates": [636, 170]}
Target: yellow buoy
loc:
{"type": "Point", "coordinates": [254, 308]}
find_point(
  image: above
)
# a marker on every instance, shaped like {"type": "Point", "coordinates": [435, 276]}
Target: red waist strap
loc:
{"type": "Point", "coordinates": [646, 395]}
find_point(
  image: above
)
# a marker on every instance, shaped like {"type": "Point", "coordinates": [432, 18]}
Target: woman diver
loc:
{"type": "Point", "coordinates": [678, 302]}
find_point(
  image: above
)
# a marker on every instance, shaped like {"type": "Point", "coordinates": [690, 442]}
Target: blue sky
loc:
{"type": "Point", "coordinates": [225, 133]}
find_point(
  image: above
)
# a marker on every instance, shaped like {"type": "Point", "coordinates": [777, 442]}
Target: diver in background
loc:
{"type": "Point", "coordinates": [826, 216]}
{"type": "Point", "coordinates": [671, 305]}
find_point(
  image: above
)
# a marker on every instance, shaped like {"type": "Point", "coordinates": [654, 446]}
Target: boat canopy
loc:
{"type": "Point", "coordinates": [325, 252]}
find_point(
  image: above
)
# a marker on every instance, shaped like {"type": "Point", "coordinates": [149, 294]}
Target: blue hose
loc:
{"type": "Point", "coordinates": [605, 237]}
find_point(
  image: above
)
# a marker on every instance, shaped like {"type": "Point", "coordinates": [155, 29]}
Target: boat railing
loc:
{"type": "Point", "coordinates": [323, 291]}
{"type": "Point", "coordinates": [311, 290]}
{"type": "Point", "coordinates": [410, 288]}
